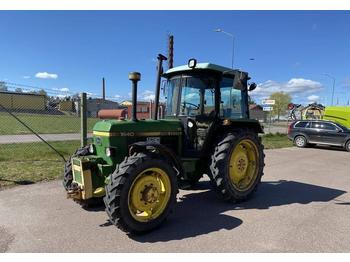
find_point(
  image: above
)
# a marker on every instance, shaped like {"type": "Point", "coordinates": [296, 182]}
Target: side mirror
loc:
{"type": "Point", "coordinates": [252, 86]}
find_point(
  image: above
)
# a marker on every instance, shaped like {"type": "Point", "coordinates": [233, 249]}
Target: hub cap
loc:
{"type": "Point", "coordinates": [243, 168]}
{"type": "Point", "coordinates": [300, 141]}
{"type": "Point", "coordinates": [149, 194]}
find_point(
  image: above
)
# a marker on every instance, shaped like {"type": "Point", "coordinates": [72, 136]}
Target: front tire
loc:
{"type": "Point", "coordinates": [347, 146]}
{"type": "Point", "coordinates": [68, 173]}
{"type": "Point", "coordinates": [237, 165]}
{"type": "Point", "coordinates": [300, 141]}
{"type": "Point", "coordinates": [141, 193]}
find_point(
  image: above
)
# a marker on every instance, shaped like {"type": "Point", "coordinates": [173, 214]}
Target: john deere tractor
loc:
{"type": "Point", "coordinates": [137, 166]}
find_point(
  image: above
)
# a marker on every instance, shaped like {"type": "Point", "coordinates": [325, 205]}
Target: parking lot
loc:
{"type": "Point", "coordinates": [302, 205]}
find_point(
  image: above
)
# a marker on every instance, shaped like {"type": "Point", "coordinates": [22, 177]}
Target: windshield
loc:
{"type": "Point", "coordinates": [190, 96]}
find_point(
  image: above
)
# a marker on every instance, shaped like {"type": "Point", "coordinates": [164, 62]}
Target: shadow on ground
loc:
{"type": "Point", "coordinates": [201, 213]}
{"type": "Point", "coordinates": [330, 148]}
{"type": "Point", "coordinates": [18, 182]}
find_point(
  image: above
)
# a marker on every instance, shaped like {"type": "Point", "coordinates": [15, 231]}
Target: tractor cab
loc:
{"type": "Point", "coordinates": [203, 95]}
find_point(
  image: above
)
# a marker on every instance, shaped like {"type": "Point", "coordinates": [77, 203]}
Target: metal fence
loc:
{"type": "Point", "coordinates": [38, 129]}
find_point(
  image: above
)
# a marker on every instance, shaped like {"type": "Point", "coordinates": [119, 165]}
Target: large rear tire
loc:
{"type": "Point", "coordinates": [141, 193]}
{"type": "Point", "coordinates": [237, 165]}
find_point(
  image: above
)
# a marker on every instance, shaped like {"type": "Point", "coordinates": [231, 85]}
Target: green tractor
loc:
{"type": "Point", "coordinates": [137, 166]}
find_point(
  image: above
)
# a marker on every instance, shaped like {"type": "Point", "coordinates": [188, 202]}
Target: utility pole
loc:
{"type": "Point", "coordinates": [333, 78]}
{"type": "Point", "coordinates": [83, 119]}
{"type": "Point", "coordinates": [170, 51]}
{"type": "Point", "coordinates": [219, 30]}
{"type": "Point", "coordinates": [103, 89]}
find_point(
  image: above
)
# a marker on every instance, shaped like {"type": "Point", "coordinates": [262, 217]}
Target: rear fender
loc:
{"type": "Point", "coordinates": [254, 125]}
{"type": "Point", "coordinates": [301, 134]}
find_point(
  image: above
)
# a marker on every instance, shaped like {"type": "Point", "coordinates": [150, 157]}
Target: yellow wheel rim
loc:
{"type": "Point", "coordinates": [149, 194]}
{"type": "Point", "coordinates": [243, 165]}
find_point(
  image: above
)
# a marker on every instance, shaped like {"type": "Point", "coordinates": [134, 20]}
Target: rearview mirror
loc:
{"type": "Point", "coordinates": [239, 82]}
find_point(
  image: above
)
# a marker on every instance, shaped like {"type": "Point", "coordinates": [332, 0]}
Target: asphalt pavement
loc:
{"type": "Point", "coordinates": [302, 205]}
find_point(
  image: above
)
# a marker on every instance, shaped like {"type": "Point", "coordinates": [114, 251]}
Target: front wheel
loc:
{"type": "Point", "coordinates": [141, 193]}
{"type": "Point", "coordinates": [237, 165]}
{"type": "Point", "coordinates": [300, 141]}
{"type": "Point", "coordinates": [347, 146]}
{"type": "Point", "coordinates": [68, 173]}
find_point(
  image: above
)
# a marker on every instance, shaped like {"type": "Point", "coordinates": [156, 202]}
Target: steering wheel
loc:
{"type": "Point", "coordinates": [196, 107]}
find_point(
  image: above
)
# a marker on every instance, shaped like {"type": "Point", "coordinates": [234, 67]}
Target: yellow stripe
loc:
{"type": "Point", "coordinates": [77, 168]}
{"type": "Point", "coordinates": [137, 134]}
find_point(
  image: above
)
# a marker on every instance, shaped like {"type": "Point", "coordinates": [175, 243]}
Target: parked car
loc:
{"type": "Point", "coordinates": [311, 132]}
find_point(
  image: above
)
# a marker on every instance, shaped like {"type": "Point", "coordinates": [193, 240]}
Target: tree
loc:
{"type": "Point", "coordinates": [41, 92]}
{"type": "Point", "coordinates": [3, 86]}
{"type": "Point", "coordinates": [251, 101]}
{"type": "Point", "coordinates": [281, 103]}
{"type": "Point", "coordinates": [18, 90]}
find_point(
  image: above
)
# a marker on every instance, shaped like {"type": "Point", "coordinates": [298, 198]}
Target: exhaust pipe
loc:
{"type": "Point", "coordinates": [134, 77]}
{"type": "Point", "coordinates": [160, 58]}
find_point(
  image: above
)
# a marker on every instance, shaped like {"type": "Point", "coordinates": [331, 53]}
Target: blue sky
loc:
{"type": "Point", "coordinates": [291, 49]}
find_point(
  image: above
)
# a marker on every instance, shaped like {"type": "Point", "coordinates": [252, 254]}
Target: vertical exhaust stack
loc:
{"type": "Point", "coordinates": [160, 58]}
{"type": "Point", "coordinates": [103, 89]}
{"type": "Point", "coordinates": [134, 77]}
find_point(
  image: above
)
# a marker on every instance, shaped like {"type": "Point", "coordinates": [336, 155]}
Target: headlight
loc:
{"type": "Point", "coordinates": [91, 149]}
{"type": "Point", "coordinates": [108, 151]}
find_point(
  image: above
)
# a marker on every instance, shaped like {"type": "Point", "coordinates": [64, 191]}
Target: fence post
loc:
{"type": "Point", "coordinates": [83, 118]}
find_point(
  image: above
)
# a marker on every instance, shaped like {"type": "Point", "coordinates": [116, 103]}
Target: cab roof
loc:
{"type": "Point", "coordinates": [200, 66]}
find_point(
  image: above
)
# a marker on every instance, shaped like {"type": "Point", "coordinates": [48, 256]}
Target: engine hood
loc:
{"type": "Point", "coordinates": [136, 128]}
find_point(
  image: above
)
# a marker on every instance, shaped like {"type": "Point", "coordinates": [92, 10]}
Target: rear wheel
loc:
{"type": "Point", "coordinates": [141, 193]}
{"type": "Point", "coordinates": [237, 165]}
{"type": "Point", "coordinates": [347, 146]}
{"type": "Point", "coordinates": [300, 141]}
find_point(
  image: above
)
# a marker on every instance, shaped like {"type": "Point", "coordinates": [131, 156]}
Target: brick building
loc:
{"type": "Point", "coordinates": [144, 110]}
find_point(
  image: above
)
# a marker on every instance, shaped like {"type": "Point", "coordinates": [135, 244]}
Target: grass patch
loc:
{"type": "Point", "coordinates": [274, 141]}
{"type": "Point", "coordinates": [43, 124]}
{"type": "Point", "coordinates": [32, 162]}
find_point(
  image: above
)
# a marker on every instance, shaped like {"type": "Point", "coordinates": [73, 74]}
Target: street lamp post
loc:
{"type": "Point", "coordinates": [219, 30]}
{"type": "Point", "coordinates": [333, 78]}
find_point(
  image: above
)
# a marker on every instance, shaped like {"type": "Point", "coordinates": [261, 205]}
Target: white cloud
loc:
{"type": "Point", "coordinates": [313, 98]}
{"type": "Point", "coordinates": [88, 94]}
{"type": "Point", "coordinates": [294, 87]}
{"type": "Point", "coordinates": [26, 77]}
{"type": "Point", "coordinates": [117, 96]}
{"type": "Point", "coordinates": [147, 95]}
{"type": "Point", "coordinates": [46, 75]}
{"type": "Point", "coordinates": [63, 89]}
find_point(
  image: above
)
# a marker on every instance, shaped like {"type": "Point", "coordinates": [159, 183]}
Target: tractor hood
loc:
{"type": "Point", "coordinates": [136, 128]}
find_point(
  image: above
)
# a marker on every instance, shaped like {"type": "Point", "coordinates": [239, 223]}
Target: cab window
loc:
{"type": "Point", "coordinates": [231, 100]}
